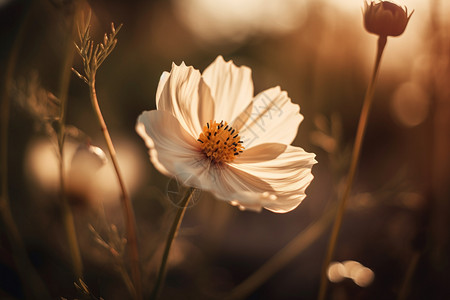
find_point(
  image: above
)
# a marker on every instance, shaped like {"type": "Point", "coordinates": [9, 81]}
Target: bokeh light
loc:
{"type": "Point", "coordinates": [232, 21]}
{"type": "Point", "coordinates": [87, 174]}
{"type": "Point", "coordinates": [410, 104]}
{"type": "Point", "coordinates": [361, 275]}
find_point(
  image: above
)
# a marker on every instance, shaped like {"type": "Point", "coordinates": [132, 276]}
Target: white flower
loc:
{"type": "Point", "coordinates": [212, 133]}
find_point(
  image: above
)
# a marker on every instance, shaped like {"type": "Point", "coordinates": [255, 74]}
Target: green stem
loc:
{"type": "Point", "coordinates": [130, 222]}
{"type": "Point", "coordinates": [68, 220]}
{"type": "Point", "coordinates": [172, 234]}
{"type": "Point", "coordinates": [368, 99]}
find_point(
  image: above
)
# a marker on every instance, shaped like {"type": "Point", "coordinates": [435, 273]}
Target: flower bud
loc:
{"type": "Point", "coordinates": [385, 18]}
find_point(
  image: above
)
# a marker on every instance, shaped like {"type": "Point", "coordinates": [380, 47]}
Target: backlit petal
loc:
{"type": "Point", "coordinates": [239, 188]}
{"type": "Point", "coordinates": [173, 151]}
{"type": "Point", "coordinates": [288, 174]}
{"type": "Point", "coordinates": [273, 118]}
{"type": "Point", "coordinates": [162, 83]}
{"type": "Point", "coordinates": [252, 201]}
{"type": "Point", "coordinates": [169, 144]}
{"type": "Point", "coordinates": [186, 97]}
{"type": "Point", "coordinates": [231, 88]}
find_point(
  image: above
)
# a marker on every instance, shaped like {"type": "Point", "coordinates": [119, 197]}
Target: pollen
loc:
{"type": "Point", "coordinates": [220, 142]}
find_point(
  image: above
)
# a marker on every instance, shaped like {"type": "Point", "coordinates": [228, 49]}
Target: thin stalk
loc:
{"type": "Point", "coordinates": [302, 241]}
{"type": "Point", "coordinates": [403, 294]}
{"type": "Point", "coordinates": [170, 238]}
{"type": "Point", "coordinates": [368, 99]}
{"type": "Point", "coordinates": [65, 207]}
{"type": "Point", "coordinates": [32, 283]}
{"type": "Point", "coordinates": [125, 199]}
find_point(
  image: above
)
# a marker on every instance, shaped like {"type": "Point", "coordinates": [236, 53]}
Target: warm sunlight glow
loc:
{"type": "Point", "coordinates": [336, 272]}
{"type": "Point", "coordinates": [130, 167]}
{"type": "Point", "coordinates": [235, 20]}
{"type": "Point", "coordinates": [85, 168]}
{"type": "Point", "coordinates": [41, 163]}
{"type": "Point", "coordinates": [410, 104]}
{"type": "Point", "coordinates": [351, 269]}
{"type": "Point", "coordinates": [352, 5]}
{"type": "Point", "coordinates": [363, 276]}
{"type": "Point", "coordinates": [210, 149]}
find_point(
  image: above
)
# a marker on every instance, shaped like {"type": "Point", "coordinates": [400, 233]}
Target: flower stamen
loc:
{"type": "Point", "coordinates": [220, 142]}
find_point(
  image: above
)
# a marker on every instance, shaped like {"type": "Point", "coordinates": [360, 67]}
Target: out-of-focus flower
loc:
{"type": "Point", "coordinates": [212, 133]}
{"type": "Point", "coordinates": [385, 18]}
{"type": "Point", "coordinates": [87, 178]}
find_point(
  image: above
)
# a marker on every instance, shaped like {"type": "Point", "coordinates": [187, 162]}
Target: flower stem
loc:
{"type": "Point", "coordinates": [65, 207]}
{"type": "Point", "coordinates": [125, 199]}
{"type": "Point", "coordinates": [368, 99]}
{"type": "Point", "coordinates": [404, 290]}
{"type": "Point", "coordinates": [172, 234]}
{"type": "Point", "coordinates": [34, 288]}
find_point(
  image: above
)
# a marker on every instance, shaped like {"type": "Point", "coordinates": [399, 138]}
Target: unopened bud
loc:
{"type": "Point", "coordinates": [385, 18]}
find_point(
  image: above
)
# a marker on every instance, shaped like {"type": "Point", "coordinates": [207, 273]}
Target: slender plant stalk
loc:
{"type": "Point", "coordinates": [68, 220]}
{"type": "Point", "coordinates": [403, 294]}
{"type": "Point", "coordinates": [126, 202]}
{"type": "Point", "coordinates": [302, 241]}
{"type": "Point", "coordinates": [93, 57]}
{"type": "Point", "coordinates": [172, 234]}
{"type": "Point", "coordinates": [32, 283]}
{"type": "Point", "coordinates": [368, 99]}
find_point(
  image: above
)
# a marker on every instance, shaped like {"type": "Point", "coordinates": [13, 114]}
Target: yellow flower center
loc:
{"type": "Point", "coordinates": [220, 142]}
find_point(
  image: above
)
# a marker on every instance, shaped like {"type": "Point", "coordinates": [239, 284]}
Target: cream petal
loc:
{"type": "Point", "coordinates": [169, 144]}
{"type": "Point", "coordinates": [231, 88]}
{"type": "Point", "coordinates": [173, 151]}
{"type": "Point", "coordinates": [243, 117]}
{"type": "Point", "coordinates": [286, 202]}
{"type": "Point", "coordinates": [197, 172]}
{"type": "Point", "coordinates": [162, 83]}
{"type": "Point", "coordinates": [261, 153]}
{"type": "Point", "coordinates": [288, 174]}
{"type": "Point", "coordinates": [252, 201]}
{"type": "Point", "coordinates": [205, 106]}
{"type": "Point", "coordinates": [239, 188]}
{"type": "Point", "coordinates": [273, 119]}
{"type": "Point", "coordinates": [187, 97]}
{"type": "Point", "coordinates": [249, 192]}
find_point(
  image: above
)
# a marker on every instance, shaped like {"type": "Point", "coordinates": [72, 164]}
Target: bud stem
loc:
{"type": "Point", "coordinates": [368, 99]}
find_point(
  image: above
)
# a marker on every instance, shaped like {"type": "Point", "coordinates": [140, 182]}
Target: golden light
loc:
{"type": "Point", "coordinates": [41, 163]}
{"type": "Point", "coordinates": [107, 187]}
{"type": "Point", "coordinates": [235, 20]}
{"type": "Point", "coordinates": [410, 104]}
{"type": "Point", "coordinates": [87, 171]}
{"type": "Point", "coordinates": [336, 272]}
{"type": "Point", "coordinates": [361, 275]}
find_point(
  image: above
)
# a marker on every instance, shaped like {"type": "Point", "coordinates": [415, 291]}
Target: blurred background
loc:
{"type": "Point", "coordinates": [395, 240]}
